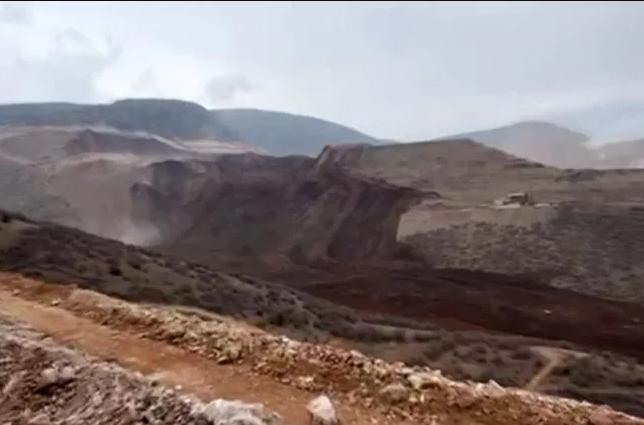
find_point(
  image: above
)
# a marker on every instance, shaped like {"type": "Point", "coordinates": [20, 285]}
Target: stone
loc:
{"type": "Point", "coordinates": [322, 411]}
{"type": "Point", "coordinates": [395, 393]}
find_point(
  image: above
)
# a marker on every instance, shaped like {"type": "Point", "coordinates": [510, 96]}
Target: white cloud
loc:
{"type": "Point", "coordinates": [226, 88]}
{"type": "Point", "coordinates": [14, 13]}
{"type": "Point", "coordinates": [43, 60]}
{"type": "Point", "coordinates": [393, 69]}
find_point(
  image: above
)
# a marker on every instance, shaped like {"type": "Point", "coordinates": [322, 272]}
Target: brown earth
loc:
{"type": "Point", "coordinates": [80, 175]}
{"type": "Point", "coordinates": [200, 354]}
{"type": "Point", "coordinates": [352, 202]}
{"type": "Point", "coordinates": [167, 364]}
{"type": "Point", "coordinates": [458, 302]}
{"type": "Point", "coordinates": [328, 228]}
{"type": "Point", "coordinates": [278, 209]}
{"type": "Point", "coordinates": [582, 234]}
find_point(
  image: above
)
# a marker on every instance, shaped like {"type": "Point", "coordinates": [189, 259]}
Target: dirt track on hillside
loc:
{"type": "Point", "coordinates": [170, 365]}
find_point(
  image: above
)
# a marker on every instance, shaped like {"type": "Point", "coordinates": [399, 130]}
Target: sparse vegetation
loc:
{"type": "Point", "coordinates": [65, 256]}
{"type": "Point", "coordinates": [590, 248]}
{"type": "Point", "coordinates": [396, 310]}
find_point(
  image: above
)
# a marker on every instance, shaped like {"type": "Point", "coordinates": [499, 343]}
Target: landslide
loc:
{"type": "Point", "coordinates": [280, 210]}
{"type": "Point", "coordinates": [464, 299]}
{"type": "Point", "coordinates": [92, 141]}
{"type": "Point", "coordinates": [331, 233]}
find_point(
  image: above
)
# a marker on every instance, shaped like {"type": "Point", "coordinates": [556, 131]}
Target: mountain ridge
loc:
{"type": "Point", "coordinates": [277, 132]}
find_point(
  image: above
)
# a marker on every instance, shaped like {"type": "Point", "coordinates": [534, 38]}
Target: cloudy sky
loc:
{"type": "Point", "coordinates": [404, 70]}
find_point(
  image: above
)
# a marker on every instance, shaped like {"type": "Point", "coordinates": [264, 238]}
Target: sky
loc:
{"type": "Point", "coordinates": [399, 70]}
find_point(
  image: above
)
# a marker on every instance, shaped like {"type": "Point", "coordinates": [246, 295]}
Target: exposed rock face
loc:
{"type": "Point", "coordinates": [261, 206]}
{"type": "Point", "coordinates": [91, 141]}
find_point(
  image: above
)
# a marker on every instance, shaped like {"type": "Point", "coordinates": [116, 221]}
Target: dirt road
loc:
{"type": "Point", "coordinates": [173, 366]}
{"type": "Point", "coordinates": [555, 357]}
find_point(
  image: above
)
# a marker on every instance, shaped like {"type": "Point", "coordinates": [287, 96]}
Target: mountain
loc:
{"type": "Point", "coordinates": [324, 235]}
{"type": "Point", "coordinates": [560, 146]}
{"type": "Point", "coordinates": [538, 141]}
{"type": "Point", "coordinates": [626, 154]}
{"type": "Point", "coordinates": [606, 121]}
{"type": "Point", "coordinates": [164, 117]}
{"type": "Point", "coordinates": [276, 132]}
{"type": "Point", "coordinates": [282, 133]}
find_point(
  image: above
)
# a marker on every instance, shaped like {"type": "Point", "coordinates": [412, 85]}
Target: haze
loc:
{"type": "Point", "coordinates": [399, 70]}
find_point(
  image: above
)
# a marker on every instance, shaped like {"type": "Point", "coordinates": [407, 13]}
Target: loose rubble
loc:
{"type": "Point", "coordinates": [322, 411]}
{"type": "Point", "coordinates": [46, 384]}
{"type": "Point", "coordinates": [412, 393]}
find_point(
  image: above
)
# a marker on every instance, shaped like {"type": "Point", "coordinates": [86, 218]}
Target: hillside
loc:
{"type": "Point", "coordinates": [538, 141]}
{"type": "Point", "coordinates": [592, 248]}
{"type": "Point", "coordinates": [68, 263]}
{"type": "Point", "coordinates": [582, 234]}
{"type": "Point", "coordinates": [325, 230]}
{"type": "Point", "coordinates": [275, 132]}
{"type": "Point", "coordinates": [627, 153]}
{"type": "Point", "coordinates": [164, 117]}
{"type": "Point", "coordinates": [281, 133]}
{"type": "Point", "coordinates": [308, 247]}
{"type": "Point", "coordinates": [211, 357]}
{"type": "Point", "coordinates": [619, 119]}
{"type": "Point", "coordinates": [560, 146]}
{"type": "Point", "coordinates": [55, 172]}
{"type": "Point", "coordinates": [249, 207]}
{"type": "Point", "coordinates": [24, 187]}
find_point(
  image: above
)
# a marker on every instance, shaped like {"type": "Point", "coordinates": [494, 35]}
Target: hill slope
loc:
{"type": "Point", "coordinates": [281, 133]}
{"type": "Point", "coordinates": [64, 260]}
{"type": "Point", "coordinates": [188, 353]}
{"type": "Point", "coordinates": [538, 141]}
{"type": "Point", "coordinates": [255, 206]}
{"type": "Point", "coordinates": [592, 248]}
{"type": "Point", "coordinates": [276, 132]}
{"type": "Point", "coordinates": [163, 117]}
{"type": "Point", "coordinates": [609, 121]}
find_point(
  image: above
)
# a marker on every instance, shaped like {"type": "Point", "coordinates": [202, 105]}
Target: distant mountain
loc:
{"type": "Point", "coordinates": [282, 133]}
{"type": "Point", "coordinates": [276, 132]}
{"type": "Point", "coordinates": [626, 154]}
{"type": "Point", "coordinates": [538, 141]}
{"type": "Point", "coordinates": [164, 117]}
{"type": "Point", "coordinates": [607, 121]}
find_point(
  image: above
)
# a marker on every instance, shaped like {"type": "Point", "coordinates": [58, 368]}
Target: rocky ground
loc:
{"type": "Point", "coordinates": [365, 389]}
{"type": "Point", "coordinates": [46, 383]}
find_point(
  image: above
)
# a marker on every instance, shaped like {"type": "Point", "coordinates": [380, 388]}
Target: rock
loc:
{"type": "Point", "coordinates": [601, 416]}
{"type": "Point", "coordinates": [305, 382]}
{"type": "Point", "coordinates": [395, 393]}
{"type": "Point", "coordinates": [494, 389]}
{"type": "Point", "coordinates": [13, 382]}
{"type": "Point", "coordinates": [230, 354]}
{"type": "Point", "coordinates": [40, 419]}
{"type": "Point", "coordinates": [235, 412]}
{"type": "Point", "coordinates": [55, 376]}
{"type": "Point", "coordinates": [421, 380]}
{"type": "Point", "coordinates": [322, 411]}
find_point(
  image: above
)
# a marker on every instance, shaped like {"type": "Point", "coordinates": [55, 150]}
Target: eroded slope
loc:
{"type": "Point", "coordinates": [469, 174]}
{"type": "Point", "coordinates": [81, 175]}
{"type": "Point", "coordinates": [581, 234]}
{"type": "Point", "coordinates": [254, 206]}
